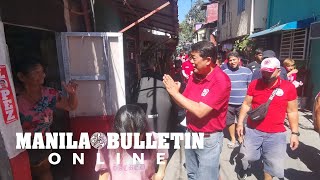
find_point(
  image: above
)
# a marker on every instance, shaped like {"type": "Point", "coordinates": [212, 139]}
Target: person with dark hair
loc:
{"type": "Point", "coordinates": [269, 54]}
{"type": "Point", "coordinates": [257, 62]}
{"type": "Point", "coordinates": [206, 102]}
{"type": "Point", "coordinates": [130, 119]}
{"type": "Point", "coordinates": [36, 105]}
{"type": "Point", "coordinates": [240, 79]}
{"type": "Point", "coordinates": [225, 64]}
{"type": "Point", "coordinates": [187, 69]}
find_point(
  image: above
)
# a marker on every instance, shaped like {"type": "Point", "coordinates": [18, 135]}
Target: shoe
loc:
{"type": "Point", "coordinates": [242, 174]}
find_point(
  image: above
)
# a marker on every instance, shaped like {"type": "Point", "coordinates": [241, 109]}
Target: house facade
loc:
{"type": "Point", "coordinates": [288, 34]}
{"type": "Point", "coordinates": [238, 18]}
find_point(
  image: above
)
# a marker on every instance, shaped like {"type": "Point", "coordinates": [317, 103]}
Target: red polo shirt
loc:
{"type": "Point", "coordinates": [274, 120]}
{"type": "Point", "coordinates": [214, 91]}
{"type": "Point", "coordinates": [187, 66]}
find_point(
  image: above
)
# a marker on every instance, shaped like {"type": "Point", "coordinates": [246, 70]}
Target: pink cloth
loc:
{"type": "Point", "coordinates": [38, 117]}
{"type": "Point", "coordinates": [292, 77]}
{"type": "Point", "coordinates": [126, 169]}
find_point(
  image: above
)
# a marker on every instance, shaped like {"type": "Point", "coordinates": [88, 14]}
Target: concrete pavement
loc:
{"type": "Point", "coordinates": [301, 164]}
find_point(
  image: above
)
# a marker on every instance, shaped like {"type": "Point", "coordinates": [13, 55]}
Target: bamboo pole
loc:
{"type": "Point", "coordinates": [145, 17]}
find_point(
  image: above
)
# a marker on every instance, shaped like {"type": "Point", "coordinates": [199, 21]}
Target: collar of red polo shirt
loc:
{"type": "Point", "coordinates": [208, 77]}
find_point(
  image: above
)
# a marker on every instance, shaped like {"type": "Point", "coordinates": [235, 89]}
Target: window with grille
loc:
{"type": "Point", "coordinates": [293, 44]}
{"type": "Point", "coordinates": [241, 6]}
{"type": "Point", "coordinates": [224, 13]}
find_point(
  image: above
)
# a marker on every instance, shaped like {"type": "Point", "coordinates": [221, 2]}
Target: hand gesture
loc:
{"type": "Point", "coordinates": [294, 142]}
{"type": "Point", "coordinates": [295, 71]}
{"type": "Point", "coordinates": [239, 130]}
{"type": "Point", "coordinates": [71, 87]}
{"type": "Point", "coordinates": [171, 86]}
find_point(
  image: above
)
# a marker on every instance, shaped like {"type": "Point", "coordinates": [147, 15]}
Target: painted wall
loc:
{"type": "Point", "coordinates": [260, 14]}
{"type": "Point", "coordinates": [292, 10]}
{"type": "Point", "coordinates": [239, 24]}
{"type": "Point", "coordinates": [212, 12]}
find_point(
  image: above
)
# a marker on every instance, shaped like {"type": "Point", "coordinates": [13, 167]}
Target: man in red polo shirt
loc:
{"type": "Point", "coordinates": [206, 100]}
{"type": "Point", "coordinates": [187, 69]}
{"type": "Point", "coordinates": [267, 137]}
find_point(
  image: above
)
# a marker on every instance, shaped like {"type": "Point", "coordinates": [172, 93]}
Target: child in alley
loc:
{"type": "Point", "coordinates": [130, 118]}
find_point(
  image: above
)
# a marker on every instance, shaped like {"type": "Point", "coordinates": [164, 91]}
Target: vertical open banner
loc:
{"type": "Point", "coordinates": [8, 105]}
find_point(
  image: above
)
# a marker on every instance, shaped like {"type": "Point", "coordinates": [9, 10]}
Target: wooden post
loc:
{"type": "Point", "coordinates": [145, 17]}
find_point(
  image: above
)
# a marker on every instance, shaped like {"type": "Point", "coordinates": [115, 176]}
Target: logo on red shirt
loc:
{"type": "Point", "coordinates": [204, 92]}
{"type": "Point", "coordinates": [280, 92]}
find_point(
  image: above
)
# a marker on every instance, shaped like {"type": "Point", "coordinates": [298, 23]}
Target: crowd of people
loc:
{"type": "Point", "coordinates": [252, 102]}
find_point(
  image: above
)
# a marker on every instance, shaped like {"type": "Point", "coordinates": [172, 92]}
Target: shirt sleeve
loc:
{"type": "Point", "coordinates": [249, 66]}
{"type": "Point", "coordinates": [53, 95]}
{"type": "Point", "coordinates": [103, 163]}
{"type": "Point", "coordinates": [249, 77]}
{"type": "Point", "coordinates": [218, 94]}
{"type": "Point", "coordinates": [251, 88]}
{"type": "Point", "coordinates": [292, 92]}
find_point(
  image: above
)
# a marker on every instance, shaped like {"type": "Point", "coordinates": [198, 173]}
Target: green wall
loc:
{"type": "Point", "coordinates": [291, 10]}
{"type": "Point", "coordinates": [315, 66]}
{"type": "Point", "coordinates": [285, 11]}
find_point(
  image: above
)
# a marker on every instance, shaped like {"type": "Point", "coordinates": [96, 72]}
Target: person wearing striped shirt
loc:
{"type": "Point", "coordinates": [240, 78]}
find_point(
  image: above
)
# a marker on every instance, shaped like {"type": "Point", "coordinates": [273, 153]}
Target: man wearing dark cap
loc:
{"type": "Point", "coordinates": [265, 136]}
{"type": "Point", "coordinates": [269, 54]}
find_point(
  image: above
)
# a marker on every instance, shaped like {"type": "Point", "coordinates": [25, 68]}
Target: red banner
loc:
{"type": "Point", "coordinates": [8, 105]}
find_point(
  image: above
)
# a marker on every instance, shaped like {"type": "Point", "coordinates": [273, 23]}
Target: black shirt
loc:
{"type": "Point", "coordinates": [253, 66]}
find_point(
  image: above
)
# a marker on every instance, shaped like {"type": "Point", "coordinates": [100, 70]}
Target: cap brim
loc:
{"type": "Point", "coordinates": [268, 69]}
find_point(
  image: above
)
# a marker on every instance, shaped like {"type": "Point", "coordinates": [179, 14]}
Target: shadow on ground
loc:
{"type": "Point", "coordinates": [256, 168]}
{"type": "Point", "coordinates": [310, 156]}
{"type": "Point", "coordinates": [293, 174]}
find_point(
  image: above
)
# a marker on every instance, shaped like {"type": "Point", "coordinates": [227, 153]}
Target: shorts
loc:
{"type": "Point", "coordinates": [271, 146]}
{"type": "Point", "coordinates": [233, 114]}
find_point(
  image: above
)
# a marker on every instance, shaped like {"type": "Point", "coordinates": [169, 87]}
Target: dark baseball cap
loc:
{"type": "Point", "coordinates": [268, 54]}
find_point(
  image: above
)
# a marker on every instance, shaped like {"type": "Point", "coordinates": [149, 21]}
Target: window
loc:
{"type": "Point", "coordinates": [224, 13]}
{"type": "Point", "coordinates": [293, 44]}
{"type": "Point", "coordinates": [241, 6]}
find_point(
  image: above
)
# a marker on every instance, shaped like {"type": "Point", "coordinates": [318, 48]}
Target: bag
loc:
{"type": "Point", "coordinates": [260, 112]}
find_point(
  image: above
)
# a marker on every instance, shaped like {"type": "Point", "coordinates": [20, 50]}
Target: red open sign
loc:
{"type": "Point", "coordinates": [8, 105]}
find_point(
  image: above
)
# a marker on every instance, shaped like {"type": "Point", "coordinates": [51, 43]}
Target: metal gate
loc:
{"type": "Point", "coordinates": [293, 44]}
